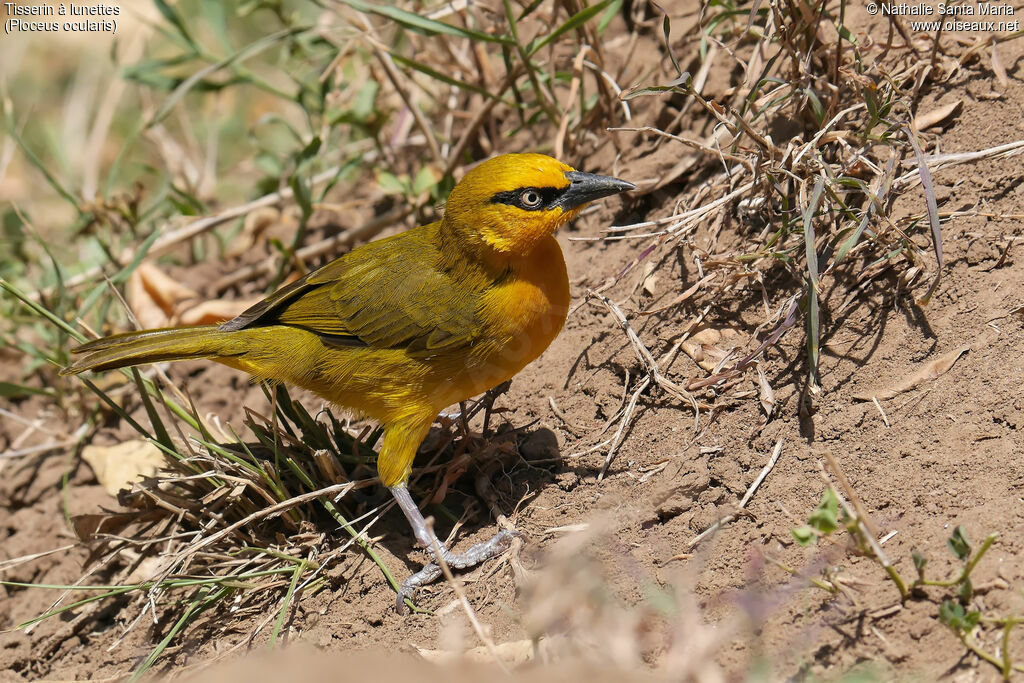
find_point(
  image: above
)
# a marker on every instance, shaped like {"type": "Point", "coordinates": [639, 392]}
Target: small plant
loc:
{"type": "Point", "coordinates": [833, 513]}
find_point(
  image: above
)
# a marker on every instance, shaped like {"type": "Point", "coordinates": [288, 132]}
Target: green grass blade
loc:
{"type": "Point", "coordinates": [110, 592]}
{"type": "Point", "coordinates": [248, 51]}
{"type": "Point", "coordinates": [578, 19]}
{"type": "Point", "coordinates": [175, 19]}
{"type": "Point", "coordinates": [40, 310]}
{"type": "Point", "coordinates": [812, 208]}
{"type": "Point", "coordinates": [444, 78]}
{"type": "Point", "coordinates": [159, 429]}
{"type": "Point", "coordinates": [38, 163]}
{"type": "Point", "coordinates": [300, 569]}
{"type": "Point", "coordinates": [933, 215]}
{"type": "Point", "coordinates": [874, 205]}
{"type": "Point", "coordinates": [194, 610]}
{"type": "Point", "coordinates": [116, 407]}
{"type": "Point", "coordinates": [813, 322]}
{"type": "Point", "coordinates": [421, 24]}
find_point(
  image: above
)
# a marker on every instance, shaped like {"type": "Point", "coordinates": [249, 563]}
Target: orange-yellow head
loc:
{"type": "Point", "coordinates": [513, 201]}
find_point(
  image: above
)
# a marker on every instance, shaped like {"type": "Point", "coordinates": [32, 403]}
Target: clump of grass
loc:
{"type": "Point", "coordinates": [803, 156]}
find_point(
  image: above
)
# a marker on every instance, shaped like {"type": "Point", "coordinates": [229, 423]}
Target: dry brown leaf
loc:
{"type": "Point", "coordinates": [87, 527]}
{"type": "Point", "coordinates": [709, 346]}
{"type": "Point", "coordinates": [256, 223]}
{"type": "Point", "coordinates": [152, 295]}
{"type": "Point", "coordinates": [215, 311]}
{"type": "Point", "coordinates": [767, 394]}
{"type": "Point", "coordinates": [998, 69]}
{"type": "Point", "coordinates": [116, 467]}
{"type": "Point", "coordinates": [650, 283]}
{"type": "Point", "coordinates": [927, 372]}
{"type": "Point", "coordinates": [938, 116]}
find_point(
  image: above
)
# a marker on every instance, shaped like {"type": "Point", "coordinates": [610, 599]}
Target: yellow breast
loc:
{"type": "Point", "coordinates": [521, 316]}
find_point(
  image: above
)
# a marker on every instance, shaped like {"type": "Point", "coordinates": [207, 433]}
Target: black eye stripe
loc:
{"type": "Point", "coordinates": [548, 197]}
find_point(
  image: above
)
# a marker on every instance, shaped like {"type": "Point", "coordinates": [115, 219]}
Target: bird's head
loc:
{"type": "Point", "coordinates": [513, 201]}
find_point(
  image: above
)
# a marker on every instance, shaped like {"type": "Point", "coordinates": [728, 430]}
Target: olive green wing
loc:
{"type": "Point", "coordinates": [387, 294]}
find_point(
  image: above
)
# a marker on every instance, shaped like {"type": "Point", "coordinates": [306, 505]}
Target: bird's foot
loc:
{"type": "Point", "coordinates": [481, 552]}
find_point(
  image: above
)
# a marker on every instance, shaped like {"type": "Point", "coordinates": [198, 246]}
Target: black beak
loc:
{"type": "Point", "coordinates": [586, 187]}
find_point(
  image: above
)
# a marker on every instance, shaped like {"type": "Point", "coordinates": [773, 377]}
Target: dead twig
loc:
{"type": "Point", "coordinates": [746, 497]}
{"type": "Point", "coordinates": [654, 376]}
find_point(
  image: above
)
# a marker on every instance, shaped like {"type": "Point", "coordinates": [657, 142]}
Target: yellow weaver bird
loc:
{"type": "Point", "coordinates": [400, 328]}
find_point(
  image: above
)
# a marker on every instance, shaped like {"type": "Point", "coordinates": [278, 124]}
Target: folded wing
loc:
{"type": "Point", "coordinates": [380, 298]}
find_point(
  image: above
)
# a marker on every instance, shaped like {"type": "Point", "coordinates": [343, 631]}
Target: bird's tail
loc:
{"type": "Point", "coordinates": [156, 346]}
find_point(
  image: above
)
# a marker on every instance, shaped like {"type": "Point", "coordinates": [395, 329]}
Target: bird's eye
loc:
{"type": "Point", "coordinates": [530, 199]}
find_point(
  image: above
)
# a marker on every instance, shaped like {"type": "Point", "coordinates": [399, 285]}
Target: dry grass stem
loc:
{"type": "Point", "coordinates": [776, 452]}
{"type": "Point", "coordinates": [456, 585]}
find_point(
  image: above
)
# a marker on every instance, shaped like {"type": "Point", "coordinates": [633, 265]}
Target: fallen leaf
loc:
{"type": "Point", "coordinates": [153, 294]}
{"type": "Point", "coordinates": [708, 347]}
{"type": "Point", "coordinates": [87, 527]}
{"type": "Point", "coordinates": [998, 69]}
{"type": "Point", "coordinates": [256, 223]}
{"type": "Point", "coordinates": [116, 467]}
{"type": "Point", "coordinates": [927, 372]}
{"type": "Point", "coordinates": [649, 285]}
{"type": "Point", "coordinates": [938, 116]}
{"type": "Point", "coordinates": [767, 394]}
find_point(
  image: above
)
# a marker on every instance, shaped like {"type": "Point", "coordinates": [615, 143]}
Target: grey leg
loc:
{"type": "Point", "coordinates": [478, 553]}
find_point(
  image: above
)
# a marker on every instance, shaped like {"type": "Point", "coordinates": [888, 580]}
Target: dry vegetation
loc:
{"type": "Point", "coordinates": [241, 147]}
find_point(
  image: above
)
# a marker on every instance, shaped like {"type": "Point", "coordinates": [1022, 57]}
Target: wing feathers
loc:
{"type": "Point", "coordinates": [387, 294]}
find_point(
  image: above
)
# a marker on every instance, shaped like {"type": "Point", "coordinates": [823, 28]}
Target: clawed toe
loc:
{"type": "Point", "coordinates": [481, 552]}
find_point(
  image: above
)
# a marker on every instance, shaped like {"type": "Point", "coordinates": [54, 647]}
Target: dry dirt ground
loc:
{"type": "Point", "coordinates": [620, 549]}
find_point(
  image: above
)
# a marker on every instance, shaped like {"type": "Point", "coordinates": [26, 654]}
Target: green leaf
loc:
{"type": "Point", "coordinates": [250, 50]}
{"type": "Point", "coordinates": [813, 322]}
{"type": "Point", "coordinates": [809, 237]}
{"type": "Point", "coordinates": [666, 32]}
{"type": "Point", "coordinates": [928, 187]}
{"type": "Point", "coordinates": [825, 517]}
{"type": "Point", "coordinates": [816, 107]}
{"type": "Point", "coordinates": [951, 614]}
{"type": "Point", "coordinates": [172, 16]}
{"type": "Point", "coordinates": [309, 151]}
{"type": "Point", "coordinates": [437, 75]}
{"type": "Point", "coordinates": [804, 535]}
{"type": "Point", "coordinates": [425, 179]}
{"type": "Point", "coordinates": [958, 544]}
{"type": "Point", "coordinates": [9, 390]}
{"type": "Point", "coordinates": [874, 206]}
{"type": "Point", "coordinates": [365, 103]}
{"type": "Point", "coordinates": [679, 85]}
{"type": "Point", "coordinates": [391, 183]}
{"type": "Point", "coordinates": [303, 195]}
{"type": "Point", "coordinates": [955, 617]}
{"type": "Point", "coordinates": [613, 8]}
{"type": "Point", "coordinates": [33, 159]}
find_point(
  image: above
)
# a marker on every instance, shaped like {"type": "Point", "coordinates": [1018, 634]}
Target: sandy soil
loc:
{"type": "Point", "coordinates": [943, 454]}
